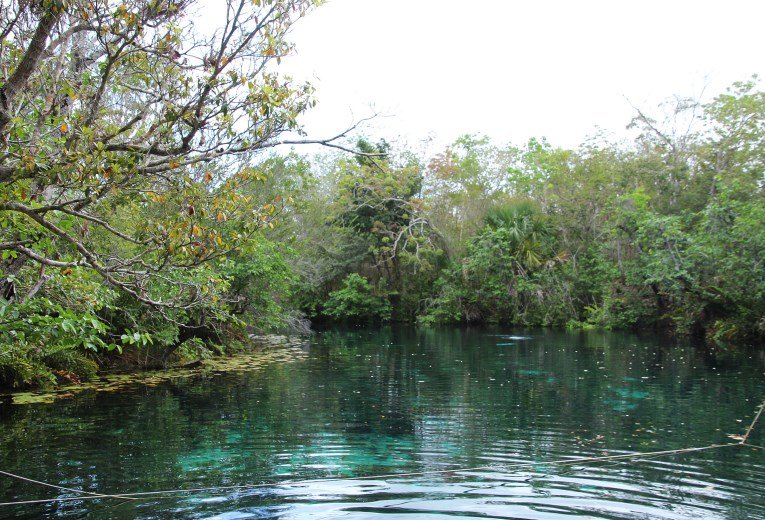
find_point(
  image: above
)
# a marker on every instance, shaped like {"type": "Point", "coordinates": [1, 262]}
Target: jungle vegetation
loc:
{"type": "Point", "coordinates": [146, 217]}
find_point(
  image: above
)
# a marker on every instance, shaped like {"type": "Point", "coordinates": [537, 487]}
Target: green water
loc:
{"type": "Point", "coordinates": [367, 402]}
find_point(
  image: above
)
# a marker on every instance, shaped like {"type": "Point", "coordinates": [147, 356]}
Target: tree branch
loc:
{"type": "Point", "coordinates": [27, 65]}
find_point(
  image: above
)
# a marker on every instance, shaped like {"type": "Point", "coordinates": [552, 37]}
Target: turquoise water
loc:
{"type": "Point", "coordinates": [398, 400]}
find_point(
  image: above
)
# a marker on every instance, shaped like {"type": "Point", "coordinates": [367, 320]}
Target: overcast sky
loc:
{"type": "Point", "coordinates": [516, 69]}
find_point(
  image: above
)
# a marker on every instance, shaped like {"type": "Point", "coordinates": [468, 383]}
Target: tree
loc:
{"type": "Point", "coordinates": [383, 202]}
{"type": "Point", "coordinates": [732, 152]}
{"type": "Point", "coordinates": [462, 182]}
{"type": "Point", "coordinates": [357, 301]}
{"type": "Point", "coordinates": [130, 145]}
{"type": "Point", "coordinates": [127, 139]}
{"type": "Point", "coordinates": [508, 274]}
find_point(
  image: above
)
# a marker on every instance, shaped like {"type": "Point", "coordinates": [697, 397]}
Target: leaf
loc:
{"type": "Point", "coordinates": [68, 325]}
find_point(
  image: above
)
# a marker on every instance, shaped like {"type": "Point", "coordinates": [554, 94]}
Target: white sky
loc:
{"type": "Point", "coordinates": [516, 69]}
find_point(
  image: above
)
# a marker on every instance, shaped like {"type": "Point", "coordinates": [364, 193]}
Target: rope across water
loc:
{"type": "Point", "coordinates": [217, 490]}
{"type": "Point", "coordinates": [174, 493]}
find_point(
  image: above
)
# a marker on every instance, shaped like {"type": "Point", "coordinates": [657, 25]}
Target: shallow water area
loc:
{"type": "Point", "coordinates": [282, 350]}
{"type": "Point", "coordinates": [478, 427]}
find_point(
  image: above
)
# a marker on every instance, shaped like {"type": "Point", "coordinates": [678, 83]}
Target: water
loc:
{"type": "Point", "coordinates": [369, 402]}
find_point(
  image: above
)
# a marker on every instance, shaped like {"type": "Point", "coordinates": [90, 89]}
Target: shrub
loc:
{"type": "Point", "coordinates": [357, 301]}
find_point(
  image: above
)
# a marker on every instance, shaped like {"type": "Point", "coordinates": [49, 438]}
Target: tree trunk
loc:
{"type": "Point", "coordinates": [18, 80]}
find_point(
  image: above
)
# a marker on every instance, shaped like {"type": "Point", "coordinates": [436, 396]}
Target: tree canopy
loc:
{"type": "Point", "coordinates": [114, 110]}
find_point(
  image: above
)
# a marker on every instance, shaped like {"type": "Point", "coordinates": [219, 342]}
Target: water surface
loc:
{"type": "Point", "coordinates": [367, 402]}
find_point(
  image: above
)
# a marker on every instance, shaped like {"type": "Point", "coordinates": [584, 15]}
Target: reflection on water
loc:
{"type": "Point", "coordinates": [399, 400]}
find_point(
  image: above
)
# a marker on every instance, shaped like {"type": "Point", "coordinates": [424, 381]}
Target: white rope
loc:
{"type": "Point", "coordinates": [174, 493]}
{"type": "Point", "coordinates": [62, 488]}
{"type": "Point", "coordinates": [754, 422]}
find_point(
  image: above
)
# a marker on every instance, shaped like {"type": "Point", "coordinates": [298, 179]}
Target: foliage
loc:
{"type": "Point", "coordinates": [358, 301]}
{"type": "Point", "coordinates": [138, 214]}
{"type": "Point", "coordinates": [469, 176]}
{"type": "Point", "coordinates": [503, 276]}
{"type": "Point", "coordinates": [124, 114]}
{"type": "Point", "coordinates": [668, 233]}
{"type": "Point", "coordinates": [260, 282]}
{"type": "Point", "coordinates": [373, 222]}
{"type": "Point", "coordinates": [129, 143]}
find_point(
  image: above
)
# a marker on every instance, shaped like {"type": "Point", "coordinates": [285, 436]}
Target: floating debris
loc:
{"type": "Point", "coordinates": [276, 340]}
{"type": "Point", "coordinates": [33, 398]}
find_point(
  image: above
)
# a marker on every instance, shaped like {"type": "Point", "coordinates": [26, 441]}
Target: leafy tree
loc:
{"type": "Point", "coordinates": [461, 183]}
{"type": "Point", "coordinates": [499, 278]}
{"type": "Point", "coordinates": [357, 301]}
{"type": "Point", "coordinates": [383, 203]}
{"type": "Point", "coordinates": [732, 149]}
{"type": "Point", "coordinates": [129, 155]}
{"type": "Point", "coordinates": [113, 111]}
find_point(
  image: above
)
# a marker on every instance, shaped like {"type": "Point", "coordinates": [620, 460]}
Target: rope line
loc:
{"type": "Point", "coordinates": [561, 462]}
{"type": "Point", "coordinates": [175, 493]}
{"type": "Point", "coordinates": [754, 422]}
{"type": "Point", "coordinates": [62, 488]}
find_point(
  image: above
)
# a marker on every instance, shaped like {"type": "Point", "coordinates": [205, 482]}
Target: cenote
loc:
{"type": "Point", "coordinates": [365, 402]}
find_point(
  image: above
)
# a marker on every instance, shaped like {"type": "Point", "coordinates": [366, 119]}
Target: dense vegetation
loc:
{"type": "Point", "coordinates": [140, 216]}
{"type": "Point", "coordinates": [663, 232]}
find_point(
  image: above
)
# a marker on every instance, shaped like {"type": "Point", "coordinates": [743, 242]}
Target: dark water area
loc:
{"type": "Point", "coordinates": [366, 402]}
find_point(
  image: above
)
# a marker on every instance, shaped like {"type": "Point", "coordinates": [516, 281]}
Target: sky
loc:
{"type": "Point", "coordinates": [437, 69]}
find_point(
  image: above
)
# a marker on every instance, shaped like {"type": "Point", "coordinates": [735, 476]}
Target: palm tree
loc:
{"type": "Point", "coordinates": [525, 227]}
